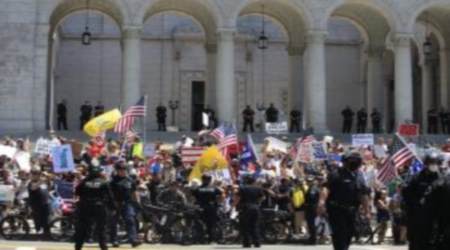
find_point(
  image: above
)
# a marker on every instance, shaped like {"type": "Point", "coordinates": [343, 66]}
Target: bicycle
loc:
{"type": "Point", "coordinates": [14, 226]}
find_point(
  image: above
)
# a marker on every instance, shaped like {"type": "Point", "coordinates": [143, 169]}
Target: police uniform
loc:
{"type": "Point", "coordinates": [99, 109]}
{"type": "Point", "coordinates": [346, 190]}
{"type": "Point", "coordinates": [376, 121]}
{"type": "Point", "coordinates": [362, 121]}
{"type": "Point", "coordinates": [418, 219]}
{"type": "Point", "coordinates": [207, 198]}
{"type": "Point", "coordinates": [86, 113]}
{"type": "Point", "coordinates": [311, 202]}
{"type": "Point", "coordinates": [123, 189]}
{"type": "Point", "coordinates": [248, 114]}
{"type": "Point", "coordinates": [271, 114]}
{"type": "Point", "coordinates": [161, 114]}
{"type": "Point", "coordinates": [296, 120]}
{"type": "Point", "coordinates": [94, 198]}
{"type": "Point", "coordinates": [437, 203]}
{"type": "Point", "coordinates": [432, 121]}
{"type": "Point", "coordinates": [249, 214]}
{"type": "Point", "coordinates": [62, 116]}
{"type": "Point", "coordinates": [347, 114]}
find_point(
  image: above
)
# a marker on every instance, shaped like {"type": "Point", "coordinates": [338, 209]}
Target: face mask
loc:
{"type": "Point", "coordinates": [433, 168]}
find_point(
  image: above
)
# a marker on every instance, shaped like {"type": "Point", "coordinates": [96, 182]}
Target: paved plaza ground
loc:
{"type": "Point", "coordinates": [28, 245]}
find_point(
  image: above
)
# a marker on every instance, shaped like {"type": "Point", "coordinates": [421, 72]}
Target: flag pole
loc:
{"type": "Point", "coordinates": [407, 145]}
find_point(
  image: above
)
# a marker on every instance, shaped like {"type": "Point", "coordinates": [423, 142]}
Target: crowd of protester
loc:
{"type": "Point", "coordinates": [289, 184]}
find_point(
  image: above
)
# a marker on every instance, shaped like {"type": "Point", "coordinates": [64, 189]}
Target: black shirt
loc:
{"type": "Point", "coordinates": [207, 196]}
{"type": "Point", "coordinates": [123, 188]}
{"type": "Point", "coordinates": [62, 110]}
{"type": "Point", "coordinates": [346, 188]}
{"type": "Point", "coordinates": [250, 196]}
{"type": "Point", "coordinates": [94, 191]}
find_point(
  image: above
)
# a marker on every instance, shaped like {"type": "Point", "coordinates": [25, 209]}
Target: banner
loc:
{"type": "Point", "coordinates": [7, 193]}
{"type": "Point", "coordinates": [319, 151]}
{"type": "Point", "coordinates": [63, 159]}
{"type": "Point", "coordinates": [7, 151]}
{"type": "Point", "coordinates": [359, 140]}
{"type": "Point", "coordinates": [408, 129]}
{"type": "Point", "coordinates": [23, 160]}
{"type": "Point", "coordinates": [149, 150]}
{"type": "Point", "coordinates": [275, 144]}
{"type": "Point", "coordinates": [65, 189]}
{"type": "Point", "coordinates": [102, 123]}
{"type": "Point", "coordinates": [277, 128]}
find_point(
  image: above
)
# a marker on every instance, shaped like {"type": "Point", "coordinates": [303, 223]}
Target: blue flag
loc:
{"type": "Point", "coordinates": [416, 167]}
{"type": "Point", "coordinates": [248, 153]}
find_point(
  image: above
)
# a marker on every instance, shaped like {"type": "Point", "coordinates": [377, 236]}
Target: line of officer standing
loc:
{"type": "Point", "coordinates": [362, 118]}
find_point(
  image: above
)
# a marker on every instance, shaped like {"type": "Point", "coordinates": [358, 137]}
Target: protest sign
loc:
{"type": "Point", "coordinates": [305, 152]}
{"type": "Point", "coordinates": [334, 157]}
{"type": "Point", "coordinates": [149, 150]}
{"type": "Point", "coordinates": [359, 140]}
{"type": "Point", "coordinates": [6, 193]}
{"type": "Point", "coordinates": [7, 151]}
{"type": "Point", "coordinates": [379, 151]}
{"type": "Point", "coordinates": [23, 160]}
{"type": "Point", "coordinates": [274, 144]}
{"type": "Point", "coordinates": [44, 146]}
{"type": "Point", "coordinates": [63, 159]}
{"type": "Point", "coordinates": [277, 128]}
{"type": "Point", "coordinates": [319, 151]}
{"type": "Point", "coordinates": [205, 119]}
{"type": "Point", "coordinates": [65, 189]}
{"type": "Point", "coordinates": [408, 129]}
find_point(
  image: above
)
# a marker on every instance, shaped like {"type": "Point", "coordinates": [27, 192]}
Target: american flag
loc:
{"type": "Point", "coordinates": [219, 132]}
{"type": "Point", "coordinates": [227, 138]}
{"type": "Point", "coordinates": [126, 122]}
{"type": "Point", "coordinates": [190, 155]}
{"type": "Point", "coordinates": [400, 154]}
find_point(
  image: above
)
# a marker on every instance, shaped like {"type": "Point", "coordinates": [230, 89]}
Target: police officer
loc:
{"type": "Point", "coordinates": [311, 203]}
{"type": "Point", "coordinates": [347, 115]}
{"type": "Point", "coordinates": [418, 219]}
{"type": "Point", "coordinates": [272, 114]}
{"type": "Point", "coordinates": [446, 122]}
{"type": "Point", "coordinates": [376, 121]}
{"type": "Point", "coordinates": [432, 121]}
{"type": "Point", "coordinates": [99, 109]}
{"type": "Point", "coordinates": [248, 116]}
{"type": "Point", "coordinates": [94, 198]}
{"type": "Point", "coordinates": [161, 114]}
{"type": "Point", "coordinates": [86, 113]}
{"type": "Point", "coordinates": [61, 111]}
{"type": "Point", "coordinates": [347, 191]}
{"type": "Point", "coordinates": [361, 124]}
{"type": "Point", "coordinates": [296, 120]}
{"type": "Point", "coordinates": [208, 198]}
{"type": "Point", "coordinates": [124, 191]}
{"type": "Point", "coordinates": [248, 199]}
{"type": "Point", "coordinates": [437, 202]}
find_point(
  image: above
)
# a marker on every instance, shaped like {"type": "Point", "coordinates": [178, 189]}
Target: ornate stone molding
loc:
{"type": "Point", "coordinates": [295, 50]}
{"type": "Point", "coordinates": [131, 32]}
{"type": "Point", "coordinates": [403, 40]}
{"type": "Point", "coordinates": [316, 36]}
{"type": "Point", "coordinates": [376, 51]}
{"type": "Point", "coordinates": [226, 34]}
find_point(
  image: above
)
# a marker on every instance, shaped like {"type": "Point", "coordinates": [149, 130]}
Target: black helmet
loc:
{"type": "Point", "coordinates": [95, 170]}
{"type": "Point", "coordinates": [433, 156]}
{"type": "Point", "coordinates": [353, 160]}
{"type": "Point", "coordinates": [206, 178]}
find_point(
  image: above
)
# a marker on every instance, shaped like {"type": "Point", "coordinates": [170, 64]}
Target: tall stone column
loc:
{"type": "Point", "coordinates": [295, 80]}
{"type": "Point", "coordinates": [226, 87]}
{"type": "Point", "coordinates": [211, 57]}
{"type": "Point", "coordinates": [375, 81]}
{"type": "Point", "coordinates": [42, 102]}
{"type": "Point", "coordinates": [444, 77]}
{"type": "Point", "coordinates": [131, 66]}
{"type": "Point", "coordinates": [403, 92]}
{"type": "Point", "coordinates": [315, 87]}
{"type": "Point", "coordinates": [426, 92]}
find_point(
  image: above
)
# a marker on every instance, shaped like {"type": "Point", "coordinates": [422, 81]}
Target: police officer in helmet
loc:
{"type": "Point", "coordinates": [248, 201]}
{"type": "Point", "coordinates": [125, 195]}
{"type": "Point", "coordinates": [345, 192]}
{"type": "Point", "coordinates": [418, 218]}
{"type": "Point", "coordinates": [94, 199]}
{"type": "Point", "coordinates": [208, 198]}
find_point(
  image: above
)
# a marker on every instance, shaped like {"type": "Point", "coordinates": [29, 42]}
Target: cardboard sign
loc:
{"type": "Point", "coordinates": [277, 128]}
{"type": "Point", "coordinates": [275, 144]}
{"type": "Point", "coordinates": [23, 160]}
{"type": "Point", "coordinates": [6, 193]}
{"type": "Point", "coordinates": [408, 129]}
{"type": "Point", "coordinates": [319, 151]}
{"type": "Point", "coordinates": [359, 140]}
{"type": "Point", "coordinates": [7, 151]}
{"type": "Point", "coordinates": [63, 159]}
{"type": "Point", "coordinates": [44, 146]}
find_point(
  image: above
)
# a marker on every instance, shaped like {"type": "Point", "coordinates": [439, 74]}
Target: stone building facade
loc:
{"type": "Point", "coordinates": [322, 56]}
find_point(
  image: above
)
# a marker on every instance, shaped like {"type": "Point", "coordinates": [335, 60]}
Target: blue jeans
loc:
{"type": "Point", "coordinates": [128, 213]}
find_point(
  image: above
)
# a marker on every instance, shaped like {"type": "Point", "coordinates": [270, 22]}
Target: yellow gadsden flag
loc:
{"type": "Point", "coordinates": [102, 123]}
{"type": "Point", "coordinates": [210, 161]}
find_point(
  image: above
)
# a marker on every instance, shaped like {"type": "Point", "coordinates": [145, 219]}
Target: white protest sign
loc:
{"type": "Point", "coordinates": [362, 139]}
{"type": "Point", "coordinates": [188, 142]}
{"type": "Point", "coordinates": [23, 160]}
{"type": "Point", "coordinates": [379, 151]}
{"type": "Point", "coordinates": [205, 119]}
{"type": "Point", "coordinates": [7, 151]}
{"type": "Point", "coordinates": [44, 146]}
{"type": "Point", "coordinates": [6, 193]}
{"type": "Point", "coordinates": [275, 144]}
{"type": "Point", "coordinates": [63, 159]}
{"type": "Point", "coordinates": [149, 150]}
{"type": "Point", "coordinates": [277, 128]}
